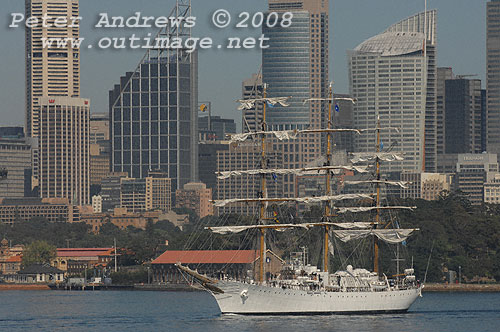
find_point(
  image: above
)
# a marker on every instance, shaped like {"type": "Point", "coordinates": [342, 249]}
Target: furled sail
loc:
{"type": "Point", "coordinates": [370, 156]}
{"type": "Point", "coordinates": [401, 184]}
{"type": "Point", "coordinates": [283, 135]}
{"type": "Point", "coordinates": [306, 200]}
{"type": "Point", "coordinates": [298, 171]}
{"type": "Point", "coordinates": [392, 236]}
{"type": "Point", "coordinates": [239, 229]}
{"type": "Point", "coordinates": [248, 104]}
{"type": "Point", "coordinates": [396, 129]}
{"type": "Point", "coordinates": [371, 208]}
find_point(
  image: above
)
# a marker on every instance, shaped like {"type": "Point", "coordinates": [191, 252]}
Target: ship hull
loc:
{"type": "Point", "coordinates": [246, 299]}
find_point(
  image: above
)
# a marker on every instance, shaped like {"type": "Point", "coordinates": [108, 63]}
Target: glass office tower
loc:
{"type": "Point", "coordinates": [153, 119]}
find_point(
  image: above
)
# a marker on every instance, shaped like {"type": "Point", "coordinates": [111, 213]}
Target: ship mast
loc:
{"type": "Point", "coordinates": [377, 217]}
{"type": "Point", "coordinates": [263, 190]}
{"type": "Point", "coordinates": [327, 178]}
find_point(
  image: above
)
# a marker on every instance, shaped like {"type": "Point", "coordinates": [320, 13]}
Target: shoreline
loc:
{"type": "Point", "coordinates": [27, 287]}
{"type": "Point", "coordinates": [431, 287]}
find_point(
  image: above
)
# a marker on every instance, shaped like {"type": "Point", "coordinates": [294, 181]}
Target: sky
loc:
{"type": "Point", "coordinates": [461, 45]}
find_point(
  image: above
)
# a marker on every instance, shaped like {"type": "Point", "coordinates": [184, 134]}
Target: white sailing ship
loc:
{"type": "Point", "coordinates": [307, 289]}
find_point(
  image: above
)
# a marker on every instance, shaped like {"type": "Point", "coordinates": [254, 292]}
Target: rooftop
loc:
{"type": "Point", "coordinates": [207, 257]}
{"type": "Point", "coordinates": [84, 252]}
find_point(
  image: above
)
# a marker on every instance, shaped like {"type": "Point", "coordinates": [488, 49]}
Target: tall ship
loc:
{"type": "Point", "coordinates": [301, 288]}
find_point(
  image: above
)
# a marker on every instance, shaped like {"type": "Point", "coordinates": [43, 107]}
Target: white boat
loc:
{"type": "Point", "coordinates": [306, 289]}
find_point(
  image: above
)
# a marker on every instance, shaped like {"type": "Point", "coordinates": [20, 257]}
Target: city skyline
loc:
{"type": "Point", "coordinates": [454, 31]}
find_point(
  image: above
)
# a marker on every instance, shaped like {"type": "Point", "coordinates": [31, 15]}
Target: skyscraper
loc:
{"type": "Point", "coordinates": [50, 71]}
{"type": "Point", "coordinates": [154, 113]}
{"type": "Point", "coordinates": [463, 116]}
{"type": "Point", "coordinates": [296, 65]}
{"type": "Point", "coordinates": [64, 149]}
{"type": "Point", "coordinates": [493, 76]}
{"type": "Point", "coordinates": [252, 118]}
{"type": "Point", "coordinates": [393, 77]}
{"type": "Point", "coordinates": [443, 74]}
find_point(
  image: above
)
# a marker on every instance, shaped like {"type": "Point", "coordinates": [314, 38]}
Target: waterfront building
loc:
{"type": "Point", "coordinates": [197, 197]}
{"type": "Point", "coordinates": [50, 71]}
{"type": "Point", "coordinates": [393, 78]}
{"type": "Point", "coordinates": [226, 263]}
{"type": "Point", "coordinates": [75, 261]}
{"type": "Point", "coordinates": [493, 75]}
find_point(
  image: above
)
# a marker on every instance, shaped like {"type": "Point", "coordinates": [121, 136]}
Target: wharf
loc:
{"type": "Point", "coordinates": [461, 288]}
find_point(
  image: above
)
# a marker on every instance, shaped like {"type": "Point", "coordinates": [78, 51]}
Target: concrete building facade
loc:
{"type": "Point", "coordinates": [50, 71]}
{"type": "Point", "coordinates": [16, 155]}
{"type": "Point", "coordinates": [64, 156]}
{"type": "Point", "coordinates": [197, 197]}
{"type": "Point", "coordinates": [493, 75]}
{"type": "Point", "coordinates": [473, 171]}
{"type": "Point", "coordinates": [392, 80]}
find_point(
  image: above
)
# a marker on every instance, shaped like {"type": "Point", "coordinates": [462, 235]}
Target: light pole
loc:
{"type": "Point", "coordinates": [459, 274]}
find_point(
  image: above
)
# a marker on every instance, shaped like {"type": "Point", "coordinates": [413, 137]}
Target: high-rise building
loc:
{"type": "Point", "coordinates": [214, 127]}
{"type": "Point", "coordinates": [252, 118]}
{"type": "Point", "coordinates": [393, 77]}
{"type": "Point", "coordinates": [64, 149]}
{"type": "Point", "coordinates": [443, 74]}
{"type": "Point", "coordinates": [110, 190]}
{"type": "Point", "coordinates": [296, 64]}
{"type": "Point", "coordinates": [343, 119]}
{"type": "Point", "coordinates": [154, 117]}
{"type": "Point", "coordinates": [147, 194]}
{"type": "Point", "coordinates": [241, 157]}
{"type": "Point", "coordinates": [16, 155]}
{"type": "Point", "coordinates": [100, 156]}
{"type": "Point", "coordinates": [207, 155]}
{"type": "Point", "coordinates": [197, 197]}
{"type": "Point", "coordinates": [50, 71]}
{"type": "Point", "coordinates": [463, 116]}
{"type": "Point", "coordinates": [493, 76]}
{"type": "Point", "coordinates": [473, 171]}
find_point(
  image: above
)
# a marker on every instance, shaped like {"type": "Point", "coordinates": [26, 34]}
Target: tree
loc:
{"type": "Point", "coordinates": [39, 252]}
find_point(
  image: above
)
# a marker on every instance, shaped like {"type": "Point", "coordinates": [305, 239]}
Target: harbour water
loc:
{"type": "Point", "coordinates": [186, 311]}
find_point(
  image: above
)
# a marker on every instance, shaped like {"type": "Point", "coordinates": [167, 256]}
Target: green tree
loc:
{"type": "Point", "coordinates": [39, 252]}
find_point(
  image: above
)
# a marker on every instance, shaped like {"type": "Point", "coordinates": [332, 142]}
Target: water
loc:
{"type": "Point", "coordinates": [166, 311]}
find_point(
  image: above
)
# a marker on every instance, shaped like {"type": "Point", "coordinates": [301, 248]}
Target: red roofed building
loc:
{"type": "Point", "coordinates": [11, 265]}
{"type": "Point", "coordinates": [237, 264]}
{"type": "Point", "coordinates": [76, 260]}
